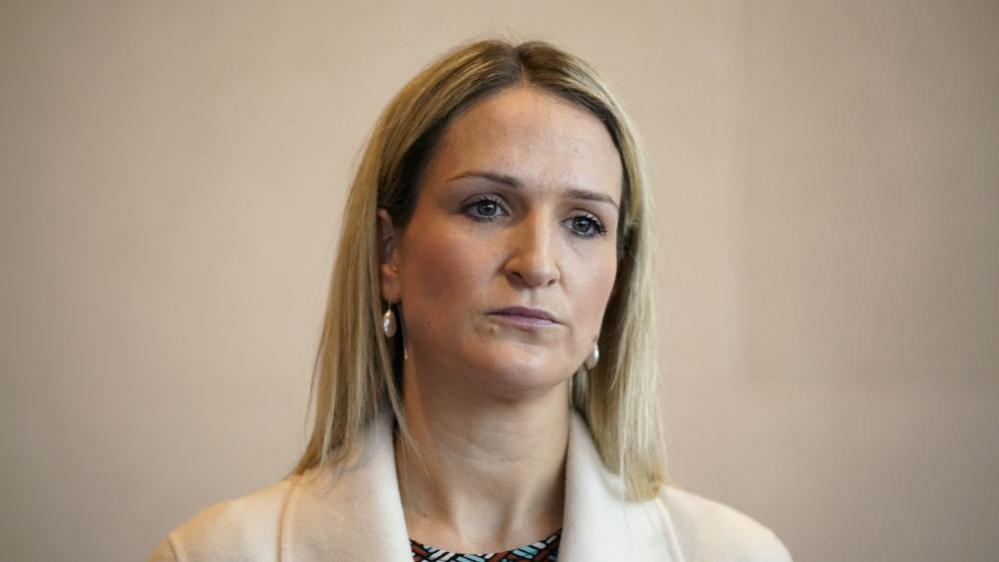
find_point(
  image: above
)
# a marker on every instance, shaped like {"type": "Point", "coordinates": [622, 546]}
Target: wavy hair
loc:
{"type": "Point", "coordinates": [357, 372]}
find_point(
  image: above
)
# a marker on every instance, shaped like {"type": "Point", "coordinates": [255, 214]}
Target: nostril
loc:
{"type": "Point", "coordinates": [538, 276]}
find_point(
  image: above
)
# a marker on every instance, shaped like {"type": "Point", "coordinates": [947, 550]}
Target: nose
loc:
{"type": "Point", "coordinates": [531, 262]}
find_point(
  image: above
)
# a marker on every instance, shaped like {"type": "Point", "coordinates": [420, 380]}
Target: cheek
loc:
{"type": "Point", "coordinates": [594, 281]}
{"type": "Point", "coordinates": [442, 273]}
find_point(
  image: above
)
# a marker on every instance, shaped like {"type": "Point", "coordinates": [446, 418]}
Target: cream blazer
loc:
{"type": "Point", "coordinates": [355, 513]}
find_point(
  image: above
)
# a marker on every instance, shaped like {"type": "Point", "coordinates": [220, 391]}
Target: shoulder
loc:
{"type": "Point", "coordinates": [239, 529]}
{"type": "Point", "coordinates": [708, 531]}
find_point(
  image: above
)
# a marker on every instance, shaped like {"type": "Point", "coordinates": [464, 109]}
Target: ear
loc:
{"type": "Point", "coordinates": [388, 258]}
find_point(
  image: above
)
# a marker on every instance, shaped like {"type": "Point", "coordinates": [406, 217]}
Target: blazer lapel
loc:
{"type": "Point", "coordinates": [350, 513]}
{"type": "Point", "coordinates": [599, 523]}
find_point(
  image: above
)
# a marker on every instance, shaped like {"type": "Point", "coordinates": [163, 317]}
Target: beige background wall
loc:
{"type": "Point", "coordinates": [172, 173]}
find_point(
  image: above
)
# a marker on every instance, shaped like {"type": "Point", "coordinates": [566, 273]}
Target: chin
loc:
{"type": "Point", "coordinates": [520, 374]}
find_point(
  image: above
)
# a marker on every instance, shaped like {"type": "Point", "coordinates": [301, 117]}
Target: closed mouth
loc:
{"type": "Point", "coordinates": [535, 314]}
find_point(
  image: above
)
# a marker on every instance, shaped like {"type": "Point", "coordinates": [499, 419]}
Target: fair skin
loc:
{"type": "Point", "coordinates": [518, 207]}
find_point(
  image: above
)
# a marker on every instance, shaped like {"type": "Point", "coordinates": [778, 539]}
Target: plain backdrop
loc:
{"type": "Point", "coordinates": [827, 181]}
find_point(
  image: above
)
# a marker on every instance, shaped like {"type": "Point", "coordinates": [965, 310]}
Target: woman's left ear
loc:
{"type": "Point", "coordinates": [388, 255]}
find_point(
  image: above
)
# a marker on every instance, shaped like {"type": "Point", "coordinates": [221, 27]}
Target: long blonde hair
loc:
{"type": "Point", "coordinates": [357, 372]}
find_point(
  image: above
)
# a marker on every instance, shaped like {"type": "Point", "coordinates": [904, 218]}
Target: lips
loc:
{"type": "Point", "coordinates": [534, 316]}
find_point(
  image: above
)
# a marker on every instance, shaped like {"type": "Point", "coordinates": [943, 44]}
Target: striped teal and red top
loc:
{"type": "Point", "coordinates": [541, 551]}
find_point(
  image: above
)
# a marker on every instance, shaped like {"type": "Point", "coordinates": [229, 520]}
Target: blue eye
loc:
{"type": "Point", "coordinates": [484, 209]}
{"type": "Point", "coordinates": [586, 226]}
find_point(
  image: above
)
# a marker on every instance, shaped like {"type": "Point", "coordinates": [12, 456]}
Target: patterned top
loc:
{"type": "Point", "coordinates": [541, 551]}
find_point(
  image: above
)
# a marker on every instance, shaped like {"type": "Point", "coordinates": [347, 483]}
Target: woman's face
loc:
{"type": "Point", "coordinates": [506, 267]}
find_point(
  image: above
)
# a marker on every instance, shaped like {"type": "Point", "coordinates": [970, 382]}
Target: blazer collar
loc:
{"type": "Point", "coordinates": [354, 512]}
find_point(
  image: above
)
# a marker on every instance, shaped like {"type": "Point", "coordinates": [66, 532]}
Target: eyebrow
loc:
{"type": "Point", "coordinates": [510, 181]}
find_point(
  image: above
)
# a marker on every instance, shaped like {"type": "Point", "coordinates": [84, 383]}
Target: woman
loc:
{"type": "Point", "coordinates": [486, 378]}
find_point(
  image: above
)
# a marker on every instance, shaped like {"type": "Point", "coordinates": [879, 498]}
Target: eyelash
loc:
{"type": "Point", "coordinates": [598, 228]}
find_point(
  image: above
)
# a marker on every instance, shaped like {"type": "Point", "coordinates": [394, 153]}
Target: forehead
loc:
{"type": "Point", "coordinates": [537, 137]}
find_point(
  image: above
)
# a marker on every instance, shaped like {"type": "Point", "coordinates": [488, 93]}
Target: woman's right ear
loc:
{"type": "Point", "coordinates": [388, 258]}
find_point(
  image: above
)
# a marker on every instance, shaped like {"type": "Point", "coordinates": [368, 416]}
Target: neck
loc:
{"type": "Point", "coordinates": [481, 475]}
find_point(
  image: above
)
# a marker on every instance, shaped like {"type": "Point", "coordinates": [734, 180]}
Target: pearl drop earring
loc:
{"type": "Point", "coordinates": [388, 322]}
{"type": "Point", "coordinates": [591, 361]}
